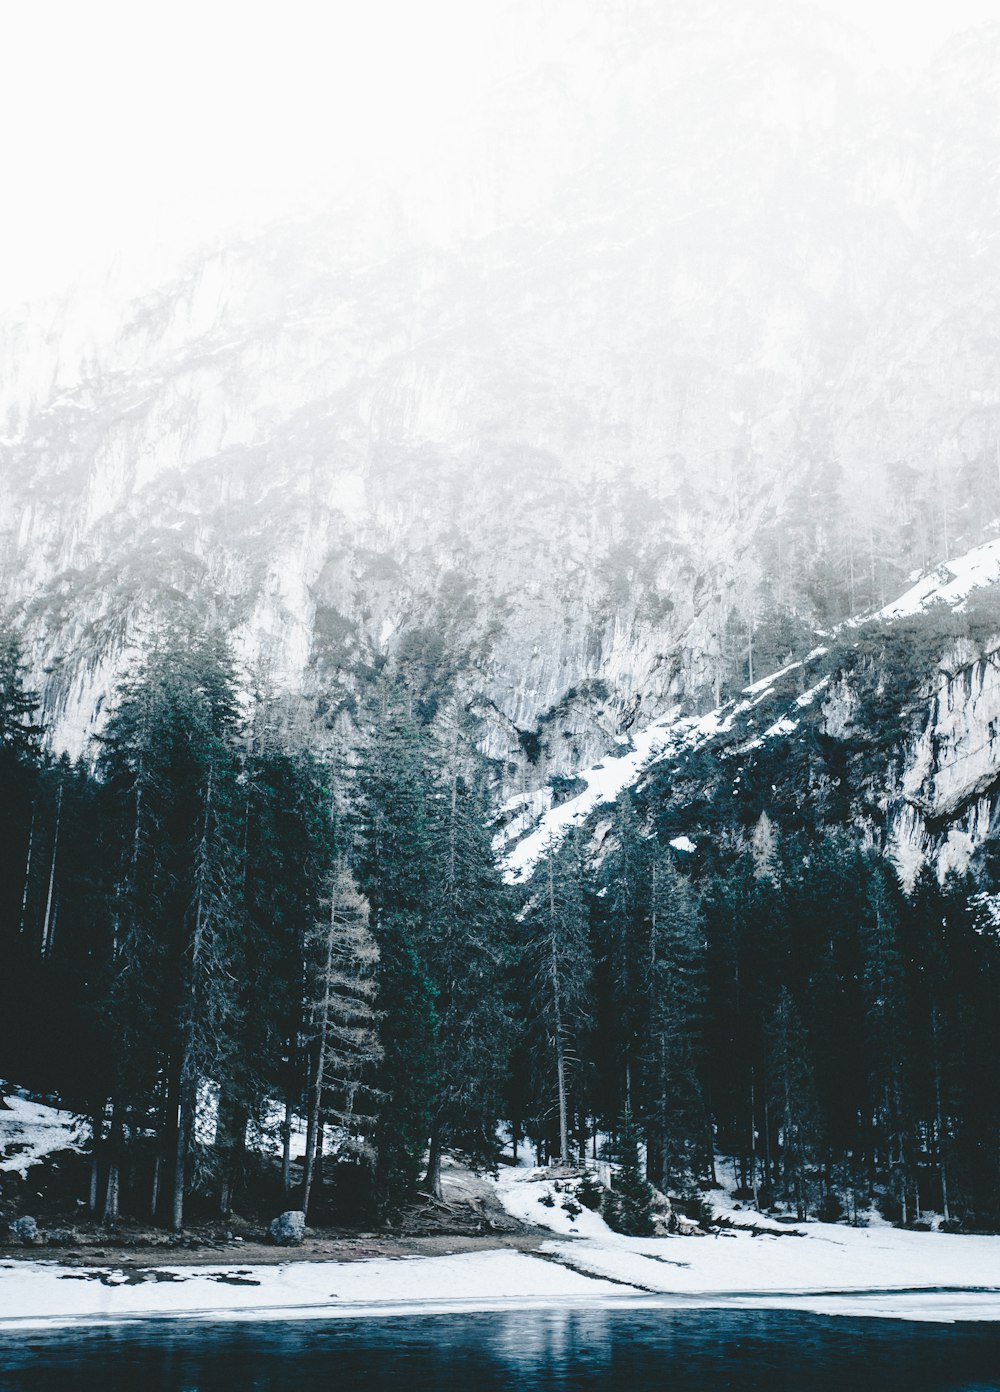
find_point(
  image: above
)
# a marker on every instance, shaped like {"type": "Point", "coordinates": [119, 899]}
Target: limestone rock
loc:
{"type": "Point", "coordinates": [289, 1229]}
{"type": "Point", "coordinates": [25, 1231]}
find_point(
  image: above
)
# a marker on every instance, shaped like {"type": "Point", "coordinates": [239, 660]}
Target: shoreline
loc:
{"type": "Point", "coordinates": [334, 1249]}
{"type": "Point", "coordinates": [40, 1293]}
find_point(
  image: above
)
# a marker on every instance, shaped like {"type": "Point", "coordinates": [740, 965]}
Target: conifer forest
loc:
{"type": "Point", "coordinates": [213, 928]}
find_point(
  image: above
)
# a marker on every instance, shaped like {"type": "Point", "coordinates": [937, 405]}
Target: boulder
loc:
{"type": "Point", "coordinates": [25, 1230]}
{"type": "Point", "coordinates": [289, 1229]}
{"type": "Point", "coordinates": [662, 1213]}
{"type": "Point", "coordinates": [62, 1237]}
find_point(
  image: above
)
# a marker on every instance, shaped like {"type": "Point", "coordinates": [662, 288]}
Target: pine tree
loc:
{"type": "Point", "coordinates": [885, 1028]}
{"type": "Point", "coordinates": [20, 733]}
{"type": "Point", "coordinates": [394, 813]}
{"type": "Point", "coordinates": [288, 846]}
{"type": "Point", "coordinates": [407, 1077]}
{"type": "Point", "coordinates": [21, 820]}
{"type": "Point", "coordinates": [169, 764]}
{"type": "Point", "coordinates": [559, 967]}
{"type": "Point", "coordinates": [469, 956]}
{"type": "Point", "coordinates": [927, 930]}
{"type": "Point", "coordinates": [793, 1098]}
{"type": "Point", "coordinates": [628, 1205]}
{"type": "Point", "coordinates": [677, 1118]}
{"type": "Point", "coordinates": [341, 963]}
{"type": "Point", "coordinates": [625, 920]}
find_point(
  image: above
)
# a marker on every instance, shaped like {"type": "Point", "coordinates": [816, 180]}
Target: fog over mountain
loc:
{"type": "Point", "coordinates": [682, 344]}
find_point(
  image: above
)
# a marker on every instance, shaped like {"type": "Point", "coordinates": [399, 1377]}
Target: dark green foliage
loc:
{"type": "Point", "coordinates": [792, 1096]}
{"type": "Point", "coordinates": [557, 985]}
{"type": "Point", "coordinates": [590, 1191]}
{"type": "Point", "coordinates": [407, 1079]}
{"type": "Point", "coordinates": [185, 922]}
{"type": "Point", "coordinates": [677, 1123]}
{"type": "Point", "coordinates": [469, 957]}
{"type": "Point", "coordinates": [628, 1205]}
{"type": "Point", "coordinates": [170, 771]}
{"type": "Point", "coordinates": [20, 733]}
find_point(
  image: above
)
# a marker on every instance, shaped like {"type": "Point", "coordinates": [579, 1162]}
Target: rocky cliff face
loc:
{"type": "Point", "coordinates": [631, 424]}
{"type": "Point", "coordinates": [891, 727]}
{"type": "Point", "coordinates": [947, 801]}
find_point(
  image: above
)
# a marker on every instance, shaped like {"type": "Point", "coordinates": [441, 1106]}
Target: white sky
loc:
{"type": "Point", "coordinates": [132, 127]}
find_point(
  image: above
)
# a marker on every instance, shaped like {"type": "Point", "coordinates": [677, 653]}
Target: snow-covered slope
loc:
{"type": "Point", "coordinates": [957, 755]}
{"type": "Point", "coordinates": [32, 1131]}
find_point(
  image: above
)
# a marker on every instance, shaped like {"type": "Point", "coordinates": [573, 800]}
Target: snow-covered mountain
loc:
{"type": "Point", "coordinates": [663, 361]}
{"type": "Point", "coordinates": [937, 796]}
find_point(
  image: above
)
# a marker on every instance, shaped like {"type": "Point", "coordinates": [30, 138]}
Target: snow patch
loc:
{"type": "Point", "coordinates": [32, 1131]}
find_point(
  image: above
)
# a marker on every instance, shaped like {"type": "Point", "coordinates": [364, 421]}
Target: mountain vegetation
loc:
{"type": "Point", "coordinates": [215, 935]}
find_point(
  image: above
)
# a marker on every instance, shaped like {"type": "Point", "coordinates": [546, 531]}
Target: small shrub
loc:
{"type": "Point", "coordinates": [590, 1192]}
{"type": "Point", "coordinates": [548, 1199]}
{"type": "Point", "coordinates": [628, 1208]}
{"type": "Point", "coordinates": [830, 1209]}
{"type": "Point", "coordinates": [889, 1207]}
{"type": "Point", "coordinates": [705, 1216]}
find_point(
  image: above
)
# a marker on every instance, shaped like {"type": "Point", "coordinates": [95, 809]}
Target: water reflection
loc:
{"type": "Point", "coordinates": [614, 1350]}
{"type": "Point", "coordinates": [548, 1342]}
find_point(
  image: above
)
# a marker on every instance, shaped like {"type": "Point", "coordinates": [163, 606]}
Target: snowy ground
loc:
{"type": "Point", "coordinates": [31, 1131]}
{"type": "Point", "coordinates": [826, 1269]}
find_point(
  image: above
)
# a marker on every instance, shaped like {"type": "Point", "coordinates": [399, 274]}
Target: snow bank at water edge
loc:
{"type": "Point", "coordinates": [827, 1270]}
{"type": "Point", "coordinates": [40, 1293]}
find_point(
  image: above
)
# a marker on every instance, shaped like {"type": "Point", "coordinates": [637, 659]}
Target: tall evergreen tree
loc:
{"type": "Point", "coordinates": [559, 977]}
{"type": "Point", "coordinates": [624, 920]}
{"type": "Point", "coordinates": [469, 956]}
{"type": "Point", "coordinates": [341, 964]}
{"type": "Point", "coordinates": [793, 1098]}
{"type": "Point", "coordinates": [677, 1120]}
{"type": "Point", "coordinates": [395, 813]}
{"type": "Point", "coordinates": [169, 763]}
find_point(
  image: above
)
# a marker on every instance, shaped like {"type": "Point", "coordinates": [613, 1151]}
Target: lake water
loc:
{"type": "Point", "coordinates": [617, 1351]}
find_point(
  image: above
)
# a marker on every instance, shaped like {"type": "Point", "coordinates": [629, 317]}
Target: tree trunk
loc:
{"type": "Point", "coordinates": [319, 1065]}
{"type": "Point", "coordinates": [48, 924]}
{"type": "Point", "coordinates": [96, 1137]}
{"type": "Point", "coordinates": [233, 1120]}
{"type": "Point", "coordinates": [939, 1123]}
{"type": "Point", "coordinates": [563, 1125]}
{"type": "Point", "coordinates": [433, 1179]}
{"type": "Point", "coordinates": [713, 1177]}
{"type": "Point", "coordinates": [184, 1113]}
{"type": "Point", "coordinates": [154, 1190]}
{"type": "Point", "coordinates": [286, 1145]}
{"type": "Point", "coordinates": [557, 1013]}
{"type": "Point", "coordinates": [312, 1126]}
{"type": "Point", "coordinates": [753, 1144]}
{"type": "Point", "coordinates": [94, 1178]}
{"type": "Point", "coordinates": [112, 1191]}
{"type": "Point", "coordinates": [27, 883]}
